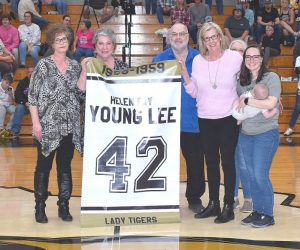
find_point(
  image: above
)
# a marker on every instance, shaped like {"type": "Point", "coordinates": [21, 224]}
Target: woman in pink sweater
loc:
{"type": "Point", "coordinates": [213, 84]}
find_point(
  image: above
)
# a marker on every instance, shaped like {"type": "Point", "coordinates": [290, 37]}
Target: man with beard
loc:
{"type": "Point", "coordinates": [190, 137]}
{"type": "Point", "coordinates": [237, 26]}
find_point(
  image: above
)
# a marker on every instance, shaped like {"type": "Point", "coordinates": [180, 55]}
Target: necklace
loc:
{"type": "Point", "coordinates": [214, 84]}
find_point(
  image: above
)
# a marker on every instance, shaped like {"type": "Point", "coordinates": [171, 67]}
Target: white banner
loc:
{"type": "Point", "coordinates": [131, 145]}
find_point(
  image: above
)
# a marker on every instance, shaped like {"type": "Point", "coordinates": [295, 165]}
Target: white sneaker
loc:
{"type": "Point", "coordinates": [286, 79]}
{"type": "Point", "coordinates": [288, 132]}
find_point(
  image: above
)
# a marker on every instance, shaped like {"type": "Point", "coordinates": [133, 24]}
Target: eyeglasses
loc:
{"type": "Point", "coordinates": [27, 15]}
{"type": "Point", "coordinates": [180, 34]}
{"type": "Point", "coordinates": [61, 40]}
{"type": "Point", "coordinates": [254, 58]}
{"type": "Point", "coordinates": [211, 38]}
{"type": "Point", "coordinates": [67, 20]}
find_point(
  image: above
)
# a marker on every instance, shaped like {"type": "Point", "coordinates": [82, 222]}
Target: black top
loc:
{"type": "Point", "coordinates": [268, 16]}
{"type": "Point", "coordinates": [21, 93]}
{"type": "Point", "coordinates": [237, 26]}
{"type": "Point", "coordinates": [272, 42]}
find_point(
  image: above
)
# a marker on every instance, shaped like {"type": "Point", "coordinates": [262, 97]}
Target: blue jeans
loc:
{"type": "Point", "coordinates": [193, 31]}
{"type": "Point", "coordinates": [260, 30]}
{"type": "Point", "coordinates": [41, 22]}
{"type": "Point", "coordinates": [296, 110]}
{"type": "Point", "coordinates": [160, 14]}
{"type": "Point", "coordinates": [219, 5]}
{"type": "Point", "coordinates": [61, 6]}
{"type": "Point", "coordinates": [20, 111]}
{"type": "Point", "coordinates": [241, 173]}
{"type": "Point", "coordinates": [259, 151]}
{"type": "Point", "coordinates": [297, 27]}
{"type": "Point", "coordinates": [34, 53]}
{"type": "Point", "coordinates": [3, 110]}
{"type": "Point", "coordinates": [14, 6]}
{"type": "Point", "coordinates": [150, 4]}
{"type": "Point", "coordinates": [86, 52]}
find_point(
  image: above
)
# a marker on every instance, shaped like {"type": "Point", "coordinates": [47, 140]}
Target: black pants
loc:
{"type": "Point", "coordinates": [64, 156]}
{"type": "Point", "coordinates": [192, 150]}
{"type": "Point", "coordinates": [219, 141]}
{"type": "Point", "coordinates": [270, 52]}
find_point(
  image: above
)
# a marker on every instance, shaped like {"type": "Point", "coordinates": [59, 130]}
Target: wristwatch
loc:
{"type": "Point", "coordinates": [246, 100]}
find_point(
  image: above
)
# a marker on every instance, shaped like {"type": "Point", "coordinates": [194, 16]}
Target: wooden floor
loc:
{"type": "Point", "coordinates": [19, 231]}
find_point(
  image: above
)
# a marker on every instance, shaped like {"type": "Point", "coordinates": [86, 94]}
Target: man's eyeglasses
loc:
{"type": "Point", "coordinates": [211, 38]}
{"type": "Point", "coordinates": [254, 58]}
{"type": "Point", "coordinates": [27, 16]}
{"type": "Point", "coordinates": [180, 34]}
{"type": "Point", "coordinates": [61, 40]}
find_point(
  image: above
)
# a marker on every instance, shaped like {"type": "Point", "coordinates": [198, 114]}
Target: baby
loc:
{"type": "Point", "coordinates": [259, 92]}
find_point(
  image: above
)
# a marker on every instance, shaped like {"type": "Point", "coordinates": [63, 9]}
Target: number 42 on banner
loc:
{"type": "Point", "coordinates": [113, 161]}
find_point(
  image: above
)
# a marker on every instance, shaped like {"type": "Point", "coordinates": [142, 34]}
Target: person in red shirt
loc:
{"type": "Point", "coordinates": [10, 38]}
{"type": "Point", "coordinates": [84, 45]}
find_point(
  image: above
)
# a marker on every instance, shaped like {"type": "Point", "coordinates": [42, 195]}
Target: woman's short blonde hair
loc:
{"type": "Point", "coordinates": [207, 27]}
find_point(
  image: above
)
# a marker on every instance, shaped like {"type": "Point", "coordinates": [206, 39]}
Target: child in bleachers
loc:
{"type": "Point", "coordinates": [84, 41]}
{"type": "Point", "coordinates": [6, 103]}
{"type": "Point", "coordinates": [270, 44]}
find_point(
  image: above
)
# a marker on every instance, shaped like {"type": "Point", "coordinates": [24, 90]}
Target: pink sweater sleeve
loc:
{"type": "Point", "coordinates": [16, 40]}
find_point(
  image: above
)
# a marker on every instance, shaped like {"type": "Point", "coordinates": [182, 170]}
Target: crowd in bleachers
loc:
{"type": "Point", "coordinates": [250, 21]}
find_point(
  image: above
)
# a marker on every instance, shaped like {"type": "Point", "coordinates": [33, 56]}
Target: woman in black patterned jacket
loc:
{"type": "Point", "coordinates": [54, 107]}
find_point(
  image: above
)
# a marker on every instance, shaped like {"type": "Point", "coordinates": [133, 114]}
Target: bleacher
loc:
{"type": "Point", "coordinates": [146, 44]}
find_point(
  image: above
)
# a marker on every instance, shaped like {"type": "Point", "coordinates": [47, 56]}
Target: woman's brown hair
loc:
{"type": "Point", "coordinates": [245, 74]}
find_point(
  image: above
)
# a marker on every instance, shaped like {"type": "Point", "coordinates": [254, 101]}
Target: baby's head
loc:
{"type": "Point", "coordinates": [260, 91]}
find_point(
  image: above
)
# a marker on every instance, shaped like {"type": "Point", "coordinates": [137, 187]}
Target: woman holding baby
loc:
{"type": "Point", "coordinates": [259, 136]}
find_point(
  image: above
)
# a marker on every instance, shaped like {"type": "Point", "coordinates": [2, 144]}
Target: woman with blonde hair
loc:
{"type": "Point", "coordinates": [238, 45]}
{"type": "Point", "coordinates": [214, 87]}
